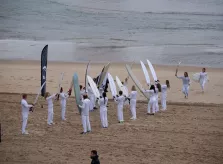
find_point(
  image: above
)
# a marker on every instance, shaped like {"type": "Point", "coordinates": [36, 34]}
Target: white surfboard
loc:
{"type": "Point", "coordinates": [93, 87]}
{"type": "Point", "coordinates": [38, 93]}
{"type": "Point", "coordinates": [135, 80]}
{"type": "Point", "coordinates": [60, 81]}
{"type": "Point", "coordinates": [146, 74]}
{"type": "Point", "coordinates": [103, 74]}
{"type": "Point", "coordinates": [121, 86]}
{"type": "Point", "coordinates": [152, 70]}
{"type": "Point", "coordinates": [196, 78]}
{"type": "Point", "coordinates": [112, 85]}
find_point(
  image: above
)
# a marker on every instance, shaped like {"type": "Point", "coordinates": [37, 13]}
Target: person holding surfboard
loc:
{"type": "Point", "coordinates": [120, 103]}
{"type": "Point", "coordinates": [85, 108]}
{"type": "Point", "coordinates": [164, 88]}
{"type": "Point", "coordinates": [158, 89]}
{"type": "Point", "coordinates": [133, 98]}
{"type": "Point", "coordinates": [203, 78]}
{"type": "Point", "coordinates": [26, 108]}
{"type": "Point", "coordinates": [186, 83]}
{"type": "Point", "coordinates": [102, 102]}
{"type": "Point", "coordinates": [49, 98]}
{"type": "Point", "coordinates": [152, 101]}
{"type": "Point", "coordinates": [63, 101]}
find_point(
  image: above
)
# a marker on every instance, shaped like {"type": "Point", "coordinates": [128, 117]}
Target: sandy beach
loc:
{"type": "Point", "coordinates": [190, 131]}
{"type": "Point", "coordinates": [182, 134]}
{"type": "Point", "coordinates": [24, 77]}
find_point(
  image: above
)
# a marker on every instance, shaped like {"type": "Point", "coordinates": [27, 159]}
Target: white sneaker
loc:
{"type": "Point", "coordinates": [25, 133]}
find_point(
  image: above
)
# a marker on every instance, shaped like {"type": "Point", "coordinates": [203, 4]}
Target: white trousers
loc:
{"type": "Point", "coordinates": [157, 105]}
{"type": "Point", "coordinates": [185, 90]}
{"type": "Point", "coordinates": [104, 119]}
{"type": "Point", "coordinates": [63, 112]}
{"type": "Point", "coordinates": [163, 101]}
{"type": "Point", "coordinates": [24, 121]}
{"type": "Point", "coordinates": [50, 116]}
{"type": "Point", "coordinates": [202, 83]}
{"type": "Point", "coordinates": [86, 123]}
{"type": "Point", "coordinates": [120, 113]}
{"type": "Point", "coordinates": [133, 108]}
{"type": "Point", "coordinates": [151, 106]}
{"type": "Point", "coordinates": [92, 99]}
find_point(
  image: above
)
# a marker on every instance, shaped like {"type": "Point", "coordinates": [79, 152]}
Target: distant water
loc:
{"type": "Point", "coordinates": [164, 31]}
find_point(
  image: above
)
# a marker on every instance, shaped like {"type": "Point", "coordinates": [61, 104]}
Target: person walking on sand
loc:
{"type": "Point", "coordinates": [164, 88]}
{"type": "Point", "coordinates": [186, 83]}
{"type": "Point", "coordinates": [133, 98]}
{"type": "Point", "coordinates": [120, 103]}
{"type": "Point", "coordinates": [49, 98]}
{"type": "Point", "coordinates": [203, 79]}
{"type": "Point", "coordinates": [152, 100]}
{"type": "Point", "coordinates": [102, 102]}
{"type": "Point", "coordinates": [94, 157]}
{"type": "Point", "coordinates": [85, 108]}
{"type": "Point", "coordinates": [63, 99]}
{"type": "Point", "coordinates": [25, 113]}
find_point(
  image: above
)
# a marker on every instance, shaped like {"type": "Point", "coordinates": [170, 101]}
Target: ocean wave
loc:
{"type": "Point", "coordinates": [185, 13]}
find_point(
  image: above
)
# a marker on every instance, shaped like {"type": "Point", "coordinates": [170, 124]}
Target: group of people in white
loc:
{"type": "Point", "coordinates": [89, 102]}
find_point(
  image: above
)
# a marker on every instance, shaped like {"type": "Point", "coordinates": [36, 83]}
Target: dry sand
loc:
{"type": "Point", "coordinates": [190, 131]}
{"type": "Point", "coordinates": [24, 76]}
{"type": "Point", "coordinates": [181, 135]}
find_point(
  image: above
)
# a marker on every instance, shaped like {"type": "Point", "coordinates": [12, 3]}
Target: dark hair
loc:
{"type": "Point", "coordinates": [104, 95]}
{"type": "Point", "coordinates": [94, 152]}
{"type": "Point", "coordinates": [120, 92]}
{"type": "Point", "coordinates": [168, 83]}
{"type": "Point", "coordinates": [81, 87]}
{"type": "Point", "coordinates": [85, 96]}
{"type": "Point", "coordinates": [122, 82]}
{"type": "Point", "coordinates": [24, 96]}
{"type": "Point", "coordinates": [204, 69]}
{"type": "Point", "coordinates": [158, 86]}
{"type": "Point", "coordinates": [61, 89]}
{"type": "Point", "coordinates": [185, 73]}
{"type": "Point", "coordinates": [153, 88]}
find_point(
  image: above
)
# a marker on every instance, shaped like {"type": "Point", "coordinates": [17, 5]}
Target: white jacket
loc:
{"type": "Point", "coordinates": [85, 107]}
{"type": "Point", "coordinates": [102, 102]}
{"type": "Point", "coordinates": [63, 97]}
{"type": "Point", "coordinates": [25, 107]}
{"type": "Point", "coordinates": [50, 100]}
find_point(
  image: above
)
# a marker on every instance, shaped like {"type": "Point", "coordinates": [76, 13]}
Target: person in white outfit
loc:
{"type": "Point", "coordinates": [49, 98]}
{"type": "Point", "coordinates": [92, 98]}
{"type": "Point", "coordinates": [152, 100]}
{"type": "Point", "coordinates": [203, 78]}
{"type": "Point", "coordinates": [133, 98]}
{"type": "Point", "coordinates": [63, 102]}
{"type": "Point", "coordinates": [82, 91]}
{"type": "Point", "coordinates": [120, 102]}
{"type": "Point", "coordinates": [186, 83]}
{"type": "Point", "coordinates": [158, 89]}
{"type": "Point", "coordinates": [85, 108]}
{"type": "Point", "coordinates": [102, 102]}
{"type": "Point", "coordinates": [164, 88]}
{"type": "Point", "coordinates": [25, 113]}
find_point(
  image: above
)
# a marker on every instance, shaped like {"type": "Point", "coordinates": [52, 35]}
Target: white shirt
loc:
{"type": "Point", "coordinates": [63, 97]}
{"type": "Point", "coordinates": [203, 76]}
{"type": "Point", "coordinates": [50, 100]}
{"type": "Point", "coordinates": [25, 106]}
{"type": "Point", "coordinates": [164, 89]}
{"type": "Point", "coordinates": [186, 80]}
{"type": "Point", "coordinates": [85, 107]}
{"type": "Point", "coordinates": [102, 102]}
{"type": "Point", "coordinates": [133, 95]}
{"type": "Point", "coordinates": [152, 94]}
{"type": "Point", "coordinates": [120, 100]}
